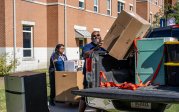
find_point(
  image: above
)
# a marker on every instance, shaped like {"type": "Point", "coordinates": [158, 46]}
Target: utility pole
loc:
{"type": "Point", "coordinates": [65, 25]}
{"type": "Point", "coordinates": [14, 34]}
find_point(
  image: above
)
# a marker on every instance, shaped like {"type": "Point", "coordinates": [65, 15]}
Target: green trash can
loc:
{"type": "Point", "coordinates": [150, 52]}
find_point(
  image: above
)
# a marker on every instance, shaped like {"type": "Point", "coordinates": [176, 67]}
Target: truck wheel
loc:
{"type": "Point", "coordinates": [162, 107]}
{"type": "Point", "coordinates": [100, 110]}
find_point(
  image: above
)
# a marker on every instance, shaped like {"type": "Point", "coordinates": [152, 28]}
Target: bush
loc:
{"type": "Point", "coordinates": [6, 64]}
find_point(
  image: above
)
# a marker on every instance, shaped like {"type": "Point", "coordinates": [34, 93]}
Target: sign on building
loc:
{"type": "Point", "coordinates": [171, 21]}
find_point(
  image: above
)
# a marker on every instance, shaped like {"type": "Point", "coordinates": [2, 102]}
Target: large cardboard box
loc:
{"type": "Point", "coordinates": [124, 30]}
{"type": "Point", "coordinates": [65, 82]}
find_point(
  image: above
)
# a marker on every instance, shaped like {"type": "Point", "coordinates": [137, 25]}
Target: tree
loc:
{"type": "Point", "coordinates": [175, 12]}
{"type": "Point", "coordinates": [169, 11]}
{"type": "Point", "coordinates": [6, 64]}
{"type": "Point", "coordinates": [157, 17]}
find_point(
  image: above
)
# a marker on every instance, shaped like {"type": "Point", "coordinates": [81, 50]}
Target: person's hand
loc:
{"type": "Point", "coordinates": [55, 60]}
{"type": "Point", "coordinates": [98, 46]}
{"type": "Point", "coordinates": [100, 43]}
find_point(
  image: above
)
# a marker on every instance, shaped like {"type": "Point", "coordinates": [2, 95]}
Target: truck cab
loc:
{"type": "Point", "coordinates": [153, 98]}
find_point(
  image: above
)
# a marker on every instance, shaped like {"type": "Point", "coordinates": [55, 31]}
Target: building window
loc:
{"type": "Point", "coordinates": [156, 2]}
{"type": "Point", "coordinates": [131, 7]}
{"type": "Point", "coordinates": [108, 7]}
{"type": "Point", "coordinates": [27, 41]}
{"type": "Point", "coordinates": [95, 5]}
{"type": "Point", "coordinates": [81, 4]}
{"type": "Point", "coordinates": [120, 7]}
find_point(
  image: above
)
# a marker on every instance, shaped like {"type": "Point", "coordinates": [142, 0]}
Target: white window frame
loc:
{"type": "Point", "coordinates": [109, 8]}
{"type": "Point", "coordinates": [156, 2]}
{"type": "Point", "coordinates": [131, 5]}
{"type": "Point", "coordinates": [123, 1]}
{"type": "Point", "coordinates": [32, 50]}
{"type": "Point", "coordinates": [96, 29]}
{"type": "Point", "coordinates": [121, 4]}
{"type": "Point", "coordinates": [77, 27]}
{"type": "Point", "coordinates": [83, 1]}
{"type": "Point", "coordinates": [31, 23]}
{"type": "Point", "coordinates": [96, 5]}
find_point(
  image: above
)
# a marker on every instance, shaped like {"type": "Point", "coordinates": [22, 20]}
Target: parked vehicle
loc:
{"type": "Point", "coordinates": [151, 98]}
{"type": "Point", "coordinates": [169, 31]}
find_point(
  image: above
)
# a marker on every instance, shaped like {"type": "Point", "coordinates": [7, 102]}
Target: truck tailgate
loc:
{"type": "Point", "coordinates": [149, 94]}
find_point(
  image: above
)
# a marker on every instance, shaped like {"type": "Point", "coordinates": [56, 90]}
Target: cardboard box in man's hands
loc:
{"type": "Point", "coordinates": [124, 30]}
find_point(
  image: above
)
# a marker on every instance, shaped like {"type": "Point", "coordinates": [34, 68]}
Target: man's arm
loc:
{"type": "Point", "coordinates": [87, 51]}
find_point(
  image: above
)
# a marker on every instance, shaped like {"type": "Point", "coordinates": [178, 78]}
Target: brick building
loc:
{"type": "Point", "coordinates": [41, 24]}
{"type": "Point", "coordinates": [148, 8]}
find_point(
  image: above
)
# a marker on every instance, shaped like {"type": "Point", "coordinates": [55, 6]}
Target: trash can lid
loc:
{"type": "Point", "coordinates": [172, 42]}
{"type": "Point", "coordinates": [171, 64]}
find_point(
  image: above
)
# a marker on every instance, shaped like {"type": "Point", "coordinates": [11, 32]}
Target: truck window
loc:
{"type": "Point", "coordinates": [162, 33]}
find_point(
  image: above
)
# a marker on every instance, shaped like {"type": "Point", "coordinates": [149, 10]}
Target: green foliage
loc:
{"type": "Point", "coordinates": [175, 8]}
{"type": "Point", "coordinates": [6, 64]}
{"type": "Point", "coordinates": [173, 108]}
{"type": "Point", "coordinates": [169, 11]}
{"type": "Point", "coordinates": [157, 17]}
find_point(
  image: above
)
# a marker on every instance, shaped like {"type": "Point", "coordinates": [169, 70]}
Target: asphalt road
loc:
{"type": "Point", "coordinates": [62, 107]}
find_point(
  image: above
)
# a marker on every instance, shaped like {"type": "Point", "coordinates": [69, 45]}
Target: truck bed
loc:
{"type": "Point", "coordinates": [157, 94]}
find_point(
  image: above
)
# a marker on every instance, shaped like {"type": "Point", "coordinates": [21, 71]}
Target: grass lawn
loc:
{"type": "Point", "coordinates": [2, 101]}
{"type": "Point", "coordinates": [2, 96]}
{"type": "Point", "coordinates": [173, 108]}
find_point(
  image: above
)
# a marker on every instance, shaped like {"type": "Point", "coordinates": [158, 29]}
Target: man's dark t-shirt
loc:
{"type": "Point", "coordinates": [86, 48]}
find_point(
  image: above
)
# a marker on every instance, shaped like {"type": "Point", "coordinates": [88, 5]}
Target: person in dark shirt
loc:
{"type": "Point", "coordinates": [88, 49]}
{"type": "Point", "coordinates": [56, 64]}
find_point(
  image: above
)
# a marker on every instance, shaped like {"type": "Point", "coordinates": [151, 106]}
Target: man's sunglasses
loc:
{"type": "Point", "coordinates": [96, 35]}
